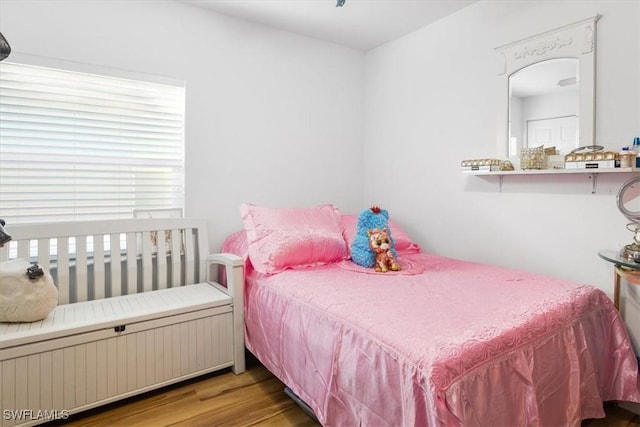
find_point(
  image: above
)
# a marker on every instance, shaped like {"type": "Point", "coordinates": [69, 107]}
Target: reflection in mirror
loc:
{"type": "Point", "coordinates": [544, 106]}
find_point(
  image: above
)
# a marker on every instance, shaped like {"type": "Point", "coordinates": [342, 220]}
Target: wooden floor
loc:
{"type": "Point", "coordinates": [255, 398]}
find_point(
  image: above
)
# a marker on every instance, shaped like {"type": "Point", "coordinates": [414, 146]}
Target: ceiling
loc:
{"type": "Point", "coordinates": [360, 24]}
{"type": "Point", "coordinates": [546, 77]}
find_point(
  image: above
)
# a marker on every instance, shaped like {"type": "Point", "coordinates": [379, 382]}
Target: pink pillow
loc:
{"type": "Point", "coordinates": [401, 239]}
{"type": "Point", "coordinates": [281, 238]}
{"type": "Point", "coordinates": [236, 243]}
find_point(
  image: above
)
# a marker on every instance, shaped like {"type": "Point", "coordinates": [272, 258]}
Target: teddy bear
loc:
{"type": "Point", "coordinates": [380, 244]}
{"type": "Point", "coordinates": [370, 219]}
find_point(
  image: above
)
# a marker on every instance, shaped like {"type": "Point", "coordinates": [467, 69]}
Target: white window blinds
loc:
{"type": "Point", "coordinates": [76, 146]}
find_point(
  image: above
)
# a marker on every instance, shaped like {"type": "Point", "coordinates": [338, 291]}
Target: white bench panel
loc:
{"type": "Point", "coordinates": [116, 267]}
{"type": "Point", "coordinates": [176, 250]}
{"type": "Point", "coordinates": [132, 257]}
{"type": "Point", "coordinates": [82, 268]}
{"type": "Point", "coordinates": [98, 267]}
{"type": "Point", "coordinates": [162, 255]}
{"type": "Point", "coordinates": [68, 319]}
{"type": "Point", "coordinates": [63, 271]}
{"type": "Point", "coordinates": [147, 263]}
{"type": "Point", "coordinates": [90, 374]}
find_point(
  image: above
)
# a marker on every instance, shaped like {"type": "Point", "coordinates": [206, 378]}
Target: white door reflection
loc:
{"type": "Point", "coordinates": [559, 132]}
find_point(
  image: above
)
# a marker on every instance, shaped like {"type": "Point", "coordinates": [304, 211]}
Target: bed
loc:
{"type": "Point", "coordinates": [443, 342]}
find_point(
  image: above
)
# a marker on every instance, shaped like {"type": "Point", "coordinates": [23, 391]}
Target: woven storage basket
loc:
{"type": "Point", "coordinates": [532, 158]}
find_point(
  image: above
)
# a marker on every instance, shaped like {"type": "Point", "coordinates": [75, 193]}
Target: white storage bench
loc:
{"type": "Point", "coordinates": [138, 309]}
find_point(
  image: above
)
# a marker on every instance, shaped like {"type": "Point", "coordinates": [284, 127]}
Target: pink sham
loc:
{"type": "Point", "coordinates": [282, 238]}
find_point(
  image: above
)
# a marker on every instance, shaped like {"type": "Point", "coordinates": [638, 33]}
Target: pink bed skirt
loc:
{"type": "Point", "coordinates": [459, 344]}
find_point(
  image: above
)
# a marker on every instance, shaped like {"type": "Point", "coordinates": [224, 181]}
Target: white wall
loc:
{"type": "Point", "coordinates": [549, 106]}
{"type": "Point", "coordinates": [271, 117]}
{"type": "Point", "coordinates": [278, 119]}
{"type": "Point", "coordinates": [431, 102]}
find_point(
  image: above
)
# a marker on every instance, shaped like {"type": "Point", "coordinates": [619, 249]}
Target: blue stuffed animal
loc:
{"type": "Point", "coordinates": [369, 219]}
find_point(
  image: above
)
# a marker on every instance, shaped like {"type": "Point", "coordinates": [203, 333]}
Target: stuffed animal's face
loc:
{"type": "Point", "coordinates": [379, 240]}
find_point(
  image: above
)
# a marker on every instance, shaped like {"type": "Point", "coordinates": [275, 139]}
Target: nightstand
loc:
{"type": "Point", "coordinates": [624, 268]}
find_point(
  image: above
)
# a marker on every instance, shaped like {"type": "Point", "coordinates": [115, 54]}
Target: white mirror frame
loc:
{"type": "Point", "coordinates": [577, 40]}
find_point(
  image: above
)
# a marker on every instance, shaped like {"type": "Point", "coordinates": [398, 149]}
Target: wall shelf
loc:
{"type": "Point", "coordinates": [593, 173]}
{"type": "Point", "coordinates": [552, 171]}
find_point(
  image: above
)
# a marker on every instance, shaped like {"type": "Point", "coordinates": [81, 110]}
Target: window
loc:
{"type": "Point", "coordinates": [79, 146]}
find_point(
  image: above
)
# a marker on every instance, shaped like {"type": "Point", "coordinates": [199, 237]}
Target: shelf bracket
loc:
{"type": "Point", "coordinates": [594, 181]}
{"type": "Point", "coordinates": [500, 183]}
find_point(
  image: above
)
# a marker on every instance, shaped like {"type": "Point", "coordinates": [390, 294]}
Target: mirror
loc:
{"type": "Point", "coordinates": [628, 200]}
{"type": "Point", "coordinates": [547, 87]}
{"type": "Point", "coordinates": [544, 107]}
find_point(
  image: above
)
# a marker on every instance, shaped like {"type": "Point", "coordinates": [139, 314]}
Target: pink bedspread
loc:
{"type": "Point", "coordinates": [460, 344]}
